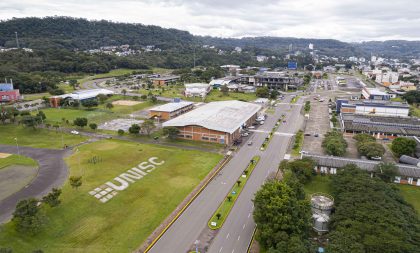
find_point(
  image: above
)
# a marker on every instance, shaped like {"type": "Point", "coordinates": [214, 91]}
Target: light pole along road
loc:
{"type": "Point", "coordinates": [237, 230]}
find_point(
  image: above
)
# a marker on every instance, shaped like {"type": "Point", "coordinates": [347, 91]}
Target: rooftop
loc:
{"type": "Point", "coordinates": [196, 85]}
{"type": "Point", "coordinates": [171, 107]}
{"type": "Point", "coordinates": [85, 94]}
{"type": "Point", "coordinates": [368, 165]}
{"type": "Point", "coordinates": [224, 116]}
{"type": "Point", "coordinates": [164, 78]}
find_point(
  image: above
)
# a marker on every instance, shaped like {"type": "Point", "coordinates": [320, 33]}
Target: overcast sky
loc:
{"type": "Point", "coordinates": [346, 20]}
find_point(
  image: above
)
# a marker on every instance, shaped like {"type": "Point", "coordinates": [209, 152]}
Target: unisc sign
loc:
{"type": "Point", "coordinates": [108, 190]}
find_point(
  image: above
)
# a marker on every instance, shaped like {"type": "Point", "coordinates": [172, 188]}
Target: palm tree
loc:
{"type": "Point", "coordinates": [218, 215]}
{"type": "Point", "coordinates": [239, 182]}
{"type": "Point", "coordinates": [229, 198]}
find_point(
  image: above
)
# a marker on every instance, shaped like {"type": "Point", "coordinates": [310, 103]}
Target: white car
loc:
{"type": "Point", "coordinates": [251, 127]}
{"type": "Point", "coordinates": [262, 122]}
{"type": "Point", "coordinates": [74, 132]}
{"type": "Point", "coordinates": [245, 134]}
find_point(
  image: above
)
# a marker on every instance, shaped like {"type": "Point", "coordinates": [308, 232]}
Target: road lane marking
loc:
{"type": "Point", "coordinates": [233, 250]}
{"type": "Point", "coordinates": [239, 237]}
{"type": "Point", "coordinates": [249, 215]}
{"type": "Point", "coordinates": [243, 227]}
{"type": "Point", "coordinates": [227, 236]}
{"type": "Point", "coordinates": [220, 250]}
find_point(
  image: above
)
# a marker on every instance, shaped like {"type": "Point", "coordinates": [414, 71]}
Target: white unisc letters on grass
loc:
{"type": "Point", "coordinates": [108, 190]}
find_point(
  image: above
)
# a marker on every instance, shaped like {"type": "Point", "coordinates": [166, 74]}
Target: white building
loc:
{"type": "Point", "coordinates": [197, 89]}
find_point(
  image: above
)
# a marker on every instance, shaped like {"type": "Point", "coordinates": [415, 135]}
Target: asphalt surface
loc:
{"type": "Point", "coordinates": [236, 233]}
{"type": "Point", "coordinates": [52, 173]}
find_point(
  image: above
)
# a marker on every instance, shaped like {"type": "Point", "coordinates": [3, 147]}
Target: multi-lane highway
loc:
{"type": "Point", "coordinates": [236, 233]}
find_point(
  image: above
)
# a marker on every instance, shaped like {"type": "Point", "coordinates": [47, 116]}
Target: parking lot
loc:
{"type": "Point", "coordinates": [317, 124]}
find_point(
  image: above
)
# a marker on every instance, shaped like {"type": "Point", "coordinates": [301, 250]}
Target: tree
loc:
{"type": "Point", "coordinates": [274, 94]}
{"type": "Point", "coordinates": [73, 83]}
{"type": "Point", "coordinates": [102, 98]}
{"type": "Point", "coordinates": [386, 171]}
{"type": "Point", "coordinates": [238, 182]}
{"type": "Point", "coordinates": [225, 90]}
{"type": "Point", "coordinates": [30, 121]}
{"type": "Point", "coordinates": [52, 198]}
{"type": "Point", "coordinates": [412, 97]}
{"type": "Point", "coordinates": [302, 169]}
{"type": "Point", "coordinates": [124, 92]}
{"type": "Point", "coordinates": [280, 216]}
{"type": "Point", "coordinates": [218, 216]}
{"type": "Point", "coordinates": [171, 132]}
{"type": "Point", "coordinates": [334, 143]}
{"type": "Point", "coordinates": [134, 129]}
{"type": "Point", "coordinates": [76, 181]}
{"type": "Point", "coordinates": [148, 125]}
{"type": "Point", "coordinates": [144, 97]}
{"type": "Point", "coordinates": [403, 146]}
{"type": "Point", "coordinates": [120, 132]}
{"type": "Point", "coordinates": [6, 250]}
{"type": "Point", "coordinates": [307, 106]}
{"type": "Point", "coordinates": [153, 99]}
{"type": "Point", "coordinates": [89, 103]}
{"type": "Point", "coordinates": [371, 149]}
{"type": "Point", "coordinates": [93, 126]}
{"type": "Point", "coordinates": [109, 106]}
{"type": "Point", "coordinates": [229, 198]}
{"type": "Point", "coordinates": [364, 138]}
{"type": "Point", "coordinates": [80, 122]}
{"type": "Point", "coordinates": [262, 92]}
{"type": "Point", "coordinates": [27, 216]}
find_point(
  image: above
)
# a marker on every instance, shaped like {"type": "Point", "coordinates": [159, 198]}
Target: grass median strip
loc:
{"type": "Point", "coordinates": [298, 143]}
{"type": "Point", "coordinates": [223, 211]}
{"type": "Point", "coordinates": [270, 135]}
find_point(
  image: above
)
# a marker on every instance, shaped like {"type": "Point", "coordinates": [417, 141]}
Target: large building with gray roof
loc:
{"type": "Point", "coordinates": [218, 122]}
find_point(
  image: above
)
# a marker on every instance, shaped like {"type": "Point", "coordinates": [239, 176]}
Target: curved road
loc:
{"type": "Point", "coordinates": [52, 173]}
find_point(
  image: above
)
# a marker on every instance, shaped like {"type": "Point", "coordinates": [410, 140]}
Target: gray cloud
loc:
{"type": "Point", "coordinates": [347, 20]}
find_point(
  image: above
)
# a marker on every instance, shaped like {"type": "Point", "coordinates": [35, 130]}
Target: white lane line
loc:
{"type": "Point", "coordinates": [249, 215]}
{"type": "Point", "coordinates": [243, 227]}
{"type": "Point", "coordinates": [233, 250]}
{"type": "Point", "coordinates": [220, 250]}
{"type": "Point", "coordinates": [239, 237]}
{"type": "Point", "coordinates": [227, 236]}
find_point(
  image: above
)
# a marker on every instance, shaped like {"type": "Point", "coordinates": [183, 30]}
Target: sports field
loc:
{"type": "Point", "coordinates": [82, 223]}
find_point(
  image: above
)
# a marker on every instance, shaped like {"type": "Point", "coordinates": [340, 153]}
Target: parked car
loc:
{"type": "Point", "coordinates": [251, 127]}
{"type": "Point", "coordinates": [262, 122]}
{"type": "Point", "coordinates": [316, 134]}
{"type": "Point", "coordinates": [249, 143]}
{"type": "Point", "coordinates": [377, 158]}
{"type": "Point", "coordinates": [74, 132]}
{"type": "Point", "coordinates": [307, 134]}
{"type": "Point", "coordinates": [245, 134]}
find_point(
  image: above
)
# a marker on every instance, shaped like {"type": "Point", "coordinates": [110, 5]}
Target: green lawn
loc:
{"type": "Point", "coordinates": [38, 138]}
{"type": "Point", "coordinates": [411, 194]}
{"type": "Point", "coordinates": [226, 205]}
{"type": "Point", "coordinates": [35, 96]}
{"type": "Point", "coordinates": [415, 111]}
{"type": "Point", "coordinates": [17, 160]}
{"type": "Point", "coordinates": [84, 224]}
{"type": "Point", "coordinates": [318, 183]}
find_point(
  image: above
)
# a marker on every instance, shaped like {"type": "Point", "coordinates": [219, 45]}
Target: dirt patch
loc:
{"type": "Point", "coordinates": [126, 102]}
{"type": "Point", "coordinates": [4, 155]}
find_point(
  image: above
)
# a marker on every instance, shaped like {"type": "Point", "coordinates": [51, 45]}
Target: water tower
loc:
{"type": "Point", "coordinates": [321, 205]}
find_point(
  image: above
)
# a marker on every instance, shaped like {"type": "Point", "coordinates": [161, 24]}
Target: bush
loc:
{"type": "Point", "coordinates": [120, 132]}
{"type": "Point", "coordinates": [334, 143]}
{"type": "Point", "coordinates": [403, 146]}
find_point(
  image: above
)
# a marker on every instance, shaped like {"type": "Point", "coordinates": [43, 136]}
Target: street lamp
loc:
{"type": "Point", "coordinates": [17, 146]}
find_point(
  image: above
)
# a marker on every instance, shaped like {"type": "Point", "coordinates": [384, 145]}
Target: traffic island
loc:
{"type": "Point", "coordinates": [225, 207]}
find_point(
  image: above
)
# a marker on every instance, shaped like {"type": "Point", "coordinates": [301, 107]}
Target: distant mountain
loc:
{"type": "Point", "coordinates": [76, 33]}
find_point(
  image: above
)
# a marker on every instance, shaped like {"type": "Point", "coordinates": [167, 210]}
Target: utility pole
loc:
{"type": "Point", "coordinates": [17, 146]}
{"type": "Point", "coordinates": [17, 40]}
{"type": "Point", "coordinates": [194, 56]}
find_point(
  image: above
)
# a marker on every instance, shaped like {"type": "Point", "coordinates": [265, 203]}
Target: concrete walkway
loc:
{"type": "Point", "coordinates": [52, 173]}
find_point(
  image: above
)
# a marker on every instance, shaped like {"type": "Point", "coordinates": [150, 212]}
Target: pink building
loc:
{"type": "Point", "coordinates": [8, 94]}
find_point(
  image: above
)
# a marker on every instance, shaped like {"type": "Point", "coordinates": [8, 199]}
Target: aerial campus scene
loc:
{"type": "Point", "coordinates": [209, 126]}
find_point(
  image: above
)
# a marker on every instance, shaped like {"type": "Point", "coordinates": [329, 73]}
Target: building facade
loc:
{"type": "Point", "coordinates": [8, 93]}
{"type": "Point", "coordinates": [170, 110]}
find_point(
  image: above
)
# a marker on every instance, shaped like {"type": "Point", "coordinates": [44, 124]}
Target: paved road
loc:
{"type": "Point", "coordinates": [236, 233]}
{"type": "Point", "coordinates": [52, 173]}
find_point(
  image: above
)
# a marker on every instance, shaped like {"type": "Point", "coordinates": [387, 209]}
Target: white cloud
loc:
{"type": "Point", "coordinates": [347, 20]}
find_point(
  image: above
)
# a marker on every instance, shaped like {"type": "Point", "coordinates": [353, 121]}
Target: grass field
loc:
{"type": "Point", "coordinates": [214, 95]}
{"type": "Point", "coordinates": [17, 160]}
{"type": "Point", "coordinates": [411, 194]}
{"type": "Point", "coordinates": [318, 184]}
{"type": "Point", "coordinates": [38, 138]}
{"type": "Point", "coordinates": [84, 224]}
{"type": "Point", "coordinates": [95, 115]}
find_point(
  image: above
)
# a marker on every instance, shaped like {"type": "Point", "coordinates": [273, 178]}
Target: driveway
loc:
{"type": "Point", "coordinates": [52, 173]}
